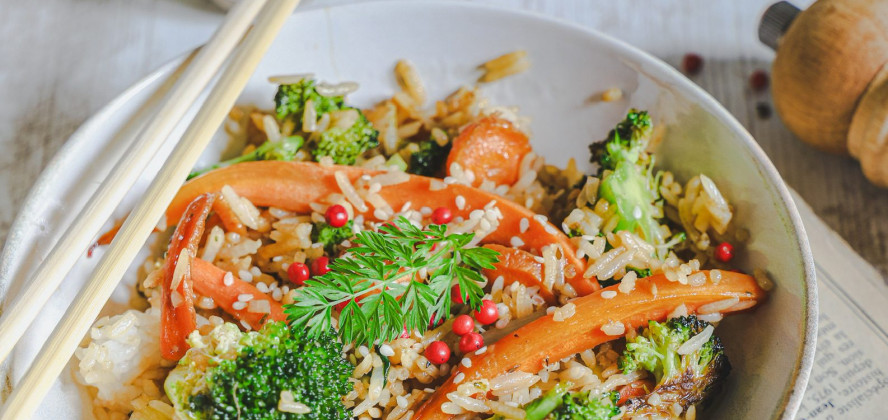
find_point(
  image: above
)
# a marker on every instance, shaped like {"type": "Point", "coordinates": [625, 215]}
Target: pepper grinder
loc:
{"type": "Point", "coordinates": [830, 78]}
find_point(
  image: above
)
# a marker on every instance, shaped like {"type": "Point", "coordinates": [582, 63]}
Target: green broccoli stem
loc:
{"type": "Point", "coordinates": [543, 406]}
{"type": "Point", "coordinates": [284, 149]}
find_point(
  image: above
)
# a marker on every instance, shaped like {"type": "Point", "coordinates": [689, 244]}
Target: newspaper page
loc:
{"type": "Point", "coordinates": [849, 377]}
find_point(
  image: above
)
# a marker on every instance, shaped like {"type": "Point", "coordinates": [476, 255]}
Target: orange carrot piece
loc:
{"type": "Point", "coordinates": [529, 347]}
{"type": "Point", "coordinates": [492, 148]}
{"type": "Point", "coordinates": [634, 389]}
{"type": "Point", "coordinates": [294, 185]}
{"type": "Point", "coordinates": [209, 280]}
{"type": "Point", "coordinates": [521, 266]}
{"type": "Point", "coordinates": [178, 318]}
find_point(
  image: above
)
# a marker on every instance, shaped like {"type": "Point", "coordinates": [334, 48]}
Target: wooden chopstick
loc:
{"type": "Point", "coordinates": [138, 226]}
{"type": "Point", "coordinates": [73, 244]}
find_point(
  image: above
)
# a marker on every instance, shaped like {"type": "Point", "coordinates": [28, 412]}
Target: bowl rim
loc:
{"type": "Point", "coordinates": [793, 395]}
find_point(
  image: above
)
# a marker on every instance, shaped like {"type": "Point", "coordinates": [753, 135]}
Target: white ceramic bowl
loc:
{"type": "Point", "coordinates": [771, 349]}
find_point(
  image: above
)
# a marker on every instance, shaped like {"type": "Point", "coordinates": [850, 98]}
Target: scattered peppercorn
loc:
{"type": "Point", "coordinates": [463, 325]}
{"type": "Point", "coordinates": [487, 313]}
{"type": "Point", "coordinates": [724, 252]}
{"type": "Point", "coordinates": [456, 296]}
{"type": "Point", "coordinates": [442, 215]}
{"type": "Point", "coordinates": [471, 342]}
{"type": "Point", "coordinates": [763, 110]}
{"type": "Point", "coordinates": [320, 266]}
{"type": "Point", "coordinates": [758, 81]}
{"type": "Point", "coordinates": [437, 352]}
{"type": "Point", "coordinates": [336, 216]}
{"type": "Point", "coordinates": [298, 273]}
{"type": "Point", "coordinates": [692, 64]}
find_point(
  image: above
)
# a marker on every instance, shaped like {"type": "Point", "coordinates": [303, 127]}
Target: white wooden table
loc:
{"type": "Point", "coordinates": [61, 60]}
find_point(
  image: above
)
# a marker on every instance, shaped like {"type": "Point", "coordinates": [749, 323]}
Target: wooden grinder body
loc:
{"type": "Point", "coordinates": [825, 83]}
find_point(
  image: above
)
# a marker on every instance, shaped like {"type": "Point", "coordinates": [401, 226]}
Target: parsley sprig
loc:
{"type": "Point", "coordinates": [401, 276]}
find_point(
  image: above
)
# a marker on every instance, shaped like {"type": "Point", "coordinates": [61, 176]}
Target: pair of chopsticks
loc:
{"type": "Point", "coordinates": [269, 18]}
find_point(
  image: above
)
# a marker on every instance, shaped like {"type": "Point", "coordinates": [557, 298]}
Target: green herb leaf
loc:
{"type": "Point", "coordinates": [390, 280]}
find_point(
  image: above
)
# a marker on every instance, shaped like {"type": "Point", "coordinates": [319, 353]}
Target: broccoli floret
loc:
{"type": "Point", "coordinates": [627, 178]}
{"type": "Point", "coordinates": [429, 159]}
{"type": "Point", "coordinates": [626, 142]}
{"type": "Point", "coordinates": [331, 236]}
{"type": "Point", "coordinates": [558, 404]}
{"type": "Point", "coordinates": [234, 375]}
{"type": "Point", "coordinates": [289, 101]}
{"type": "Point", "coordinates": [344, 145]}
{"type": "Point", "coordinates": [284, 149]}
{"type": "Point", "coordinates": [681, 378]}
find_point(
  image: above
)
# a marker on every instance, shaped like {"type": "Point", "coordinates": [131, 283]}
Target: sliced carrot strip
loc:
{"type": "Point", "coordinates": [294, 185]}
{"type": "Point", "coordinates": [178, 317]}
{"type": "Point", "coordinates": [638, 388]}
{"type": "Point", "coordinates": [521, 266]}
{"type": "Point", "coordinates": [492, 148]}
{"type": "Point", "coordinates": [209, 280]}
{"type": "Point", "coordinates": [529, 347]}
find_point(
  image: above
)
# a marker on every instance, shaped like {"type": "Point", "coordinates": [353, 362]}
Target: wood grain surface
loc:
{"type": "Point", "coordinates": [62, 60]}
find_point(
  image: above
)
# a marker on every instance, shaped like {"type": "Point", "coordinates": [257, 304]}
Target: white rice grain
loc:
{"type": "Point", "coordinates": [348, 190]}
{"type": "Point", "coordinates": [613, 328]}
{"type": "Point", "coordinates": [717, 306]}
{"type": "Point", "coordinates": [259, 306]}
{"type": "Point", "coordinates": [696, 342]}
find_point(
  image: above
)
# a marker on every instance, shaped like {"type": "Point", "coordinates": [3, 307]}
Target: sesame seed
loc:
{"type": "Point", "coordinates": [540, 218]}
{"type": "Point", "coordinates": [481, 350]}
{"type": "Point", "coordinates": [245, 297]}
{"type": "Point", "coordinates": [466, 362]}
{"type": "Point", "coordinates": [238, 306]}
{"type": "Point", "coordinates": [524, 224]}
{"type": "Point", "coordinates": [246, 325]}
{"type": "Point", "coordinates": [608, 294]}
{"type": "Point", "coordinates": [228, 279]}
{"type": "Point", "coordinates": [245, 276]}
{"type": "Point", "coordinates": [516, 242]}
{"type": "Point", "coordinates": [277, 295]}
